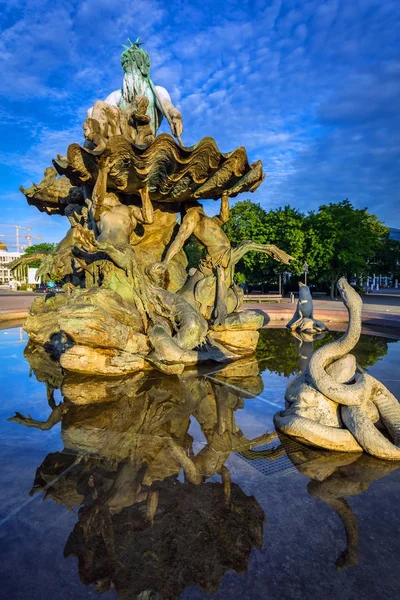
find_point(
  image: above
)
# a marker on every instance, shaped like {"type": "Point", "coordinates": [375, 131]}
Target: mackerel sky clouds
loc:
{"type": "Point", "coordinates": [312, 88]}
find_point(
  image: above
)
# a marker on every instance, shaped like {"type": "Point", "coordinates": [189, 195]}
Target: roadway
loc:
{"type": "Point", "coordinates": [380, 301]}
{"type": "Point", "coordinates": [10, 301]}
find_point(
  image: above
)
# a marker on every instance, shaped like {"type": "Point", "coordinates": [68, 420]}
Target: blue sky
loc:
{"type": "Point", "coordinates": [312, 88]}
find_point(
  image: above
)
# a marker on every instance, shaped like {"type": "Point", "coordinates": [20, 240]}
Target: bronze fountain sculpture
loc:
{"type": "Point", "coordinates": [130, 303]}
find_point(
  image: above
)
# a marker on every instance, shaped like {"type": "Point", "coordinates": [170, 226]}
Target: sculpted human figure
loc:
{"type": "Point", "coordinates": [95, 142]}
{"type": "Point", "coordinates": [221, 258]}
{"type": "Point", "coordinates": [107, 186]}
{"type": "Point", "coordinates": [116, 221]}
{"type": "Point", "coordinates": [141, 122]}
{"type": "Point", "coordinates": [50, 175]}
{"type": "Point", "coordinates": [137, 82]}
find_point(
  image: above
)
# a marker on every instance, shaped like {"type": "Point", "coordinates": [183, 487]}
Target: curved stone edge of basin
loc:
{"type": "Point", "coordinates": [278, 314]}
{"type": "Point", "coordinates": [14, 318]}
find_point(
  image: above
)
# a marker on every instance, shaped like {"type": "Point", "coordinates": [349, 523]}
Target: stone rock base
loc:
{"type": "Point", "coordinates": [96, 332]}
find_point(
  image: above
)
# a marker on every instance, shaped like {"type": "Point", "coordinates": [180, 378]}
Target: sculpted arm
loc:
{"type": "Point", "coordinates": [99, 192]}
{"type": "Point", "coordinates": [223, 216]}
{"type": "Point", "coordinates": [54, 418]}
{"type": "Point", "coordinates": [146, 213]}
{"type": "Point", "coordinates": [171, 113]}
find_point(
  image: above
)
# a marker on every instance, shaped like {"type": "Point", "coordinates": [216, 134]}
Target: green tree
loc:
{"type": "Point", "coordinates": [342, 240]}
{"type": "Point", "coordinates": [283, 227]}
{"type": "Point", "coordinates": [387, 258]}
{"type": "Point", "coordinates": [194, 252]}
{"type": "Point", "coordinates": [45, 247]}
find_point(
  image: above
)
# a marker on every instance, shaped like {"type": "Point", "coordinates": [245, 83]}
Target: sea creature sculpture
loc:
{"type": "Point", "coordinates": [303, 320]}
{"type": "Point", "coordinates": [331, 405]}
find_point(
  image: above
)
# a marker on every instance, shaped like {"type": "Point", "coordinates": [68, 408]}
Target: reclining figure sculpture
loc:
{"type": "Point", "coordinates": [131, 304]}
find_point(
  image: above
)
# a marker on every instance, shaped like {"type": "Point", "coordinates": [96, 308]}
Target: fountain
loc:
{"type": "Point", "coordinates": [130, 303]}
{"type": "Point", "coordinates": [168, 466]}
{"type": "Point", "coordinates": [178, 486]}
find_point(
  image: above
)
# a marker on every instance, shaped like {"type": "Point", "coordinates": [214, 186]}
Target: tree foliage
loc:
{"type": "Point", "coordinates": [387, 258]}
{"type": "Point", "coordinates": [194, 252]}
{"type": "Point", "coordinates": [282, 227]}
{"type": "Point", "coordinates": [336, 240]}
{"type": "Point", "coordinates": [45, 247]}
{"type": "Point", "coordinates": [343, 240]}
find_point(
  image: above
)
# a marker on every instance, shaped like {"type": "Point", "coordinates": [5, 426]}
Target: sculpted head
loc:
{"type": "Point", "coordinates": [348, 294]}
{"type": "Point", "coordinates": [49, 171]}
{"type": "Point", "coordinates": [135, 58]}
{"type": "Point", "coordinates": [304, 290]}
{"type": "Point", "coordinates": [90, 128]}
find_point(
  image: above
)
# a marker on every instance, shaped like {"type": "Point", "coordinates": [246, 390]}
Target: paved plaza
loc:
{"type": "Point", "coordinates": [381, 308]}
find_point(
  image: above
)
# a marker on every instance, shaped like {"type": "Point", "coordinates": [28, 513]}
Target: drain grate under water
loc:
{"type": "Point", "coordinates": [270, 459]}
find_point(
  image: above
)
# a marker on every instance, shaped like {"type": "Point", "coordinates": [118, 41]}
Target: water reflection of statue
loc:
{"type": "Point", "coordinates": [334, 477]}
{"type": "Point", "coordinates": [140, 528]}
{"type": "Point", "coordinates": [137, 82]}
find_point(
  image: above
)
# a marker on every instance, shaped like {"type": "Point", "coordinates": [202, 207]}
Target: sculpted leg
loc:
{"type": "Point", "coordinates": [190, 469]}
{"type": "Point", "coordinates": [220, 311]}
{"type": "Point", "coordinates": [147, 207]}
{"type": "Point", "coordinates": [226, 481]}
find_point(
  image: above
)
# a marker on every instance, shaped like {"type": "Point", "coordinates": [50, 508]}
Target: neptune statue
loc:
{"type": "Point", "coordinates": [137, 83]}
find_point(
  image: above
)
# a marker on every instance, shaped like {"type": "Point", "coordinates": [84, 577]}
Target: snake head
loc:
{"type": "Point", "coordinates": [348, 294]}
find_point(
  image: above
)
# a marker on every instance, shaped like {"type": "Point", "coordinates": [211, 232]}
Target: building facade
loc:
{"type": "Point", "coordinates": [6, 257]}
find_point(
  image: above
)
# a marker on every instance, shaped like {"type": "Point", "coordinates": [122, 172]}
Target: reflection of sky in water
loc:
{"type": "Point", "coordinates": [277, 354]}
{"type": "Point", "coordinates": [24, 394]}
{"type": "Point", "coordinates": [33, 534]}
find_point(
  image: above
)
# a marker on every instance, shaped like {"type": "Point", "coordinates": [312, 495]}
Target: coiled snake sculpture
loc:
{"type": "Point", "coordinates": [333, 406]}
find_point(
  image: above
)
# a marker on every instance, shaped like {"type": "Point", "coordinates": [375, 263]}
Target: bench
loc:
{"type": "Point", "coordinates": [313, 294]}
{"type": "Point", "coordinates": [262, 298]}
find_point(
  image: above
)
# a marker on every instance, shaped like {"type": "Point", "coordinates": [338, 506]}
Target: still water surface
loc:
{"type": "Point", "coordinates": [177, 487]}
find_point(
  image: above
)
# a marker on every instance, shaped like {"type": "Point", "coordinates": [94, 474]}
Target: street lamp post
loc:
{"type": "Point", "coordinates": [305, 271]}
